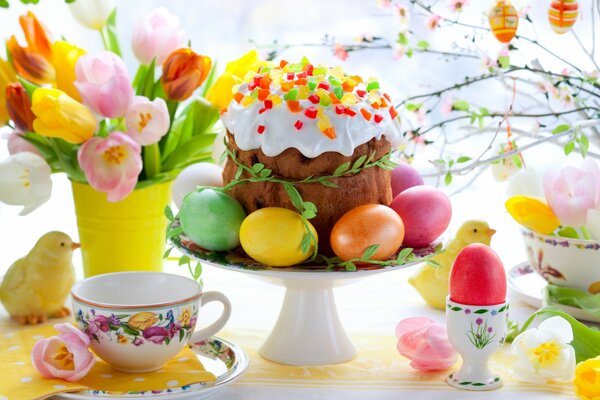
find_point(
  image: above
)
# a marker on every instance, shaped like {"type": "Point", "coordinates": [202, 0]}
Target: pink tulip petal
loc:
{"type": "Point", "coordinates": [37, 355]}
{"type": "Point", "coordinates": [70, 329]}
{"type": "Point", "coordinates": [411, 324]}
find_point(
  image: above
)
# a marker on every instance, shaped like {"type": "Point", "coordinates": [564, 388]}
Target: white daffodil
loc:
{"type": "Point", "coordinates": [526, 182]}
{"type": "Point", "coordinates": [25, 181]}
{"type": "Point", "coordinates": [544, 353]}
{"type": "Point", "coordinates": [92, 14]}
{"type": "Point", "coordinates": [593, 222]}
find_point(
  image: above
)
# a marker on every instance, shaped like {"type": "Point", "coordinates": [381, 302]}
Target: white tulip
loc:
{"type": "Point", "coordinates": [92, 14]}
{"type": "Point", "coordinates": [593, 222]}
{"type": "Point", "coordinates": [544, 353]}
{"type": "Point", "coordinates": [25, 181]}
{"type": "Point", "coordinates": [526, 182]}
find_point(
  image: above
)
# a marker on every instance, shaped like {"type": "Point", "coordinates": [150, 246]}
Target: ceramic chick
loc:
{"type": "Point", "coordinates": [432, 282]}
{"type": "Point", "coordinates": [37, 285]}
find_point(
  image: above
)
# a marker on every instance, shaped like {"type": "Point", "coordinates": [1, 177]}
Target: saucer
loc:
{"type": "Point", "coordinates": [226, 360]}
{"type": "Point", "coordinates": [526, 285]}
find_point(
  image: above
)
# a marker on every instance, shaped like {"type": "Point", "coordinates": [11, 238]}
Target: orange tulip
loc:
{"type": "Point", "coordinates": [183, 72]}
{"type": "Point", "coordinates": [18, 106]}
{"type": "Point", "coordinates": [34, 61]}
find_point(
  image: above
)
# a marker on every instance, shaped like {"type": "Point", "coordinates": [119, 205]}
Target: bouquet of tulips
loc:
{"type": "Point", "coordinates": [81, 113]}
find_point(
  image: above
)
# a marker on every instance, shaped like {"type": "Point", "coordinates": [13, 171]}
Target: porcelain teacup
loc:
{"type": "Point", "coordinates": [137, 321]}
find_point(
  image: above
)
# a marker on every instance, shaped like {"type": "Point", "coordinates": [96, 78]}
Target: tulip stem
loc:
{"type": "Point", "coordinates": [104, 39]}
{"type": "Point", "coordinates": [585, 233]}
{"type": "Point", "coordinates": [151, 160]}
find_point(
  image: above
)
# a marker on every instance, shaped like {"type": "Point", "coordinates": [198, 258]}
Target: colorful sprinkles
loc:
{"type": "Point", "coordinates": [308, 89]}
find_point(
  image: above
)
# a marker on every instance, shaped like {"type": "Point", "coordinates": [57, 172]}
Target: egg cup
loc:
{"type": "Point", "coordinates": [476, 332]}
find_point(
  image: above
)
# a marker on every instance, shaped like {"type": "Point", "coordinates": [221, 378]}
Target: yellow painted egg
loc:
{"type": "Point", "coordinates": [562, 15]}
{"type": "Point", "coordinates": [504, 21]}
{"type": "Point", "coordinates": [273, 236]}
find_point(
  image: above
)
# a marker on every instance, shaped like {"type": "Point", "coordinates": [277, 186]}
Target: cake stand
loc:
{"type": "Point", "coordinates": [308, 330]}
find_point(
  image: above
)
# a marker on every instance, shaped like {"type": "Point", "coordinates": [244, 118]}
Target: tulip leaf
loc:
{"type": "Point", "coordinates": [573, 298]}
{"type": "Point", "coordinates": [148, 85]}
{"type": "Point", "coordinates": [109, 34]}
{"type": "Point", "coordinates": [188, 150]}
{"type": "Point", "coordinates": [171, 140]}
{"type": "Point", "coordinates": [209, 80]}
{"type": "Point", "coordinates": [29, 87]}
{"type": "Point", "coordinates": [140, 76]}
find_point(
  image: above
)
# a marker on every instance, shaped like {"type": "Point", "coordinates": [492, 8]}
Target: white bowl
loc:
{"type": "Point", "coordinates": [564, 262]}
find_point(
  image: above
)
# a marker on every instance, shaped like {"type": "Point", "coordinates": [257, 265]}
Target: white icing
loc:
{"type": "Point", "coordinates": [280, 133]}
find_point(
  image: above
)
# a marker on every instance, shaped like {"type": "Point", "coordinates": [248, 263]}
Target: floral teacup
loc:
{"type": "Point", "coordinates": [137, 321]}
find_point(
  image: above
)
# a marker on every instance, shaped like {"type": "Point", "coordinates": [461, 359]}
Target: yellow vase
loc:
{"type": "Point", "coordinates": [128, 235]}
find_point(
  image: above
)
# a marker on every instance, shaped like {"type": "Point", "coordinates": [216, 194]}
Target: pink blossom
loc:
{"type": "Point", "coordinates": [398, 51]}
{"type": "Point", "coordinates": [488, 62]}
{"type": "Point", "coordinates": [401, 13]}
{"type": "Point", "coordinates": [111, 164]}
{"type": "Point", "coordinates": [564, 95]}
{"type": "Point", "coordinates": [16, 144]}
{"type": "Point", "coordinates": [156, 35]}
{"type": "Point", "coordinates": [433, 21]}
{"type": "Point", "coordinates": [420, 115]}
{"type": "Point", "coordinates": [524, 11]}
{"type": "Point", "coordinates": [572, 191]}
{"type": "Point", "coordinates": [446, 107]}
{"type": "Point", "coordinates": [384, 3]}
{"type": "Point", "coordinates": [103, 82]}
{"type": "Point", "coordinates": [340, 52]}
{"type": "Point", "coordinates": [457, 5]}
{"type": "Point", "coordinates": [425, 343]}
{"type": "Point", "coordinates": [65, 356]}
{"type": "Point", "coordinates": [548, 87]}
{"type": "Point", "coordinates": [504, 52]}
{"type": "Point", "coordinates": [147, 121]}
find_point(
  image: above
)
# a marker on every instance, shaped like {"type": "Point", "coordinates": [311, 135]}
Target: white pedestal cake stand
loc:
{"type": "Point", "coordinates": [308, 330]}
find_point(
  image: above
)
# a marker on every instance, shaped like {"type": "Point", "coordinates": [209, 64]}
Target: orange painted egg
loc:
{"type": "Point", "coordinates": [504, 21]}
{"type": "Point", "coordinates": [365, 226]}
{"type": "Point", "coordinates": [562, 15]}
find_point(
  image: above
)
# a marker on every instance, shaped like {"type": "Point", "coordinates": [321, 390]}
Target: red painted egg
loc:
{"type": "Point", "coordinates": [562, 15]}
{"type": "Point", "coordinates": [477, 277]}
{"type": "Point", "coordinates": [404, 176]}
{"type": "Point", "coordinates": [504, 21]}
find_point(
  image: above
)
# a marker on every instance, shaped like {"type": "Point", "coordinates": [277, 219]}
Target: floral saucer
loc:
{"type": "Point", "coordinates": [525, 284]}
{"type": "Point", "coordinates": [224, 359]}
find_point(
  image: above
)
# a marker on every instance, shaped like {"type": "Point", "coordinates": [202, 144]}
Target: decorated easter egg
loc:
{"type": "Point", "coordinates": [365, 226]}
{"type": "Point", "coordinates": [426, 213]}
{"type": "Point", "coordinates": [477, 277]}
{"type": "Point", "coordinates": [504, 21]}
{"type": "Point", "coordinates": [273, 236]}
{"type": "Point", "coordinates": [404, 176]}
{"type": "Point", "coordinates": [200, 174]}
{"type": "Point", "coordinates": [212, 219]}
{"type": "Point", "coordinates": [562, 15]}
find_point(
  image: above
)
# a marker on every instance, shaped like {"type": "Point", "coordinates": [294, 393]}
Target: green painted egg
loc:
{"type": "Point", "coordinates": [212, 219]}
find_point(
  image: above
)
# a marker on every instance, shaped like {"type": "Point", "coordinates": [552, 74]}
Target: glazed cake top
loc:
{"type": "Point", "coordinates": [314, 109]}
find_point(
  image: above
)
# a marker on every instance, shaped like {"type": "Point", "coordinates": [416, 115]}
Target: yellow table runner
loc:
{"type": "Point", "coordinates": [19, 380]}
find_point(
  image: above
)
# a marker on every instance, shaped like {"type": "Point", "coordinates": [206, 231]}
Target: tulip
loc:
{"type": "Point", "coordinates": [426, 344]}
{"type": "Point", "coordinates": [544, 353]}
{"type": "Point", "coordinates": [65, 356]}
{"type": "Point", "coordinates": [32, 62]}
{"type": "Point", "coordinates": [18, 106]}
{"type": "Point", "coordinates": [587, 379]}
{"type": "Point", "coordinates": [92, 14]}
{"type": "Point", "coordinates": [58, 115]}
{"type": "Point", "coordinates": [64, 58]}
{"type": "Point", "coordinates": [142, 320]}
{"type": "Point", "coordinates": [104, 85]}
{"type": "Point", "coordinates": [220, 93]}
{"type": "Point", "coordinates": [183, 72]}
{"type": "Point", "coordinates": [533, 214]}
{"type": "Point", "coordinates": [156, 36]}
{"type": "Point", "coordinates": [527, 181]}
{"type": "Point", "coordinates": [572, 191]}
{"type": "Point", "coordinates": [111, 164]}
{"type": "Point", "coordinates": [147, 121]}
{"type": "Point", "coordinates": [16, 144]}
{"type": "Point", "coordinates": [25, 180]}
{"type": "Point", "coordinates": [7, 75]}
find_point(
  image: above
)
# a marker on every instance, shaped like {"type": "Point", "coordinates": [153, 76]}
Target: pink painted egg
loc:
{"type": "Point", "coordinates": [404, 176]}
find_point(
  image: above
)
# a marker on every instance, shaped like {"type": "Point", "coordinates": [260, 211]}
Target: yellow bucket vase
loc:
{"type": "Point", "coordinates": [128, 235]}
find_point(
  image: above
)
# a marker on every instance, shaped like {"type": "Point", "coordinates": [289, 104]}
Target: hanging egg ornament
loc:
{"type": "Point", "coordinates": [504, 21]}
{"type": "Point", "coordinates": [562, 15]}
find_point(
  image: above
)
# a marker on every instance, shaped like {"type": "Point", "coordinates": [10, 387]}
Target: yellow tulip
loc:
{"type": "Point", "coordinates": [533, 214]}
{"type": "Point", "coordinates": [58, 115]}
{"type": "Point", "coordinates": [220, 94]}
{"type": "Point", "coordinates": [7, 76]}
{"type": "Point", "coordinates": [142, 320]}
{"type": "Point", "coordinates": [587, 379]}
{"type": "Point", "coordinates": [64, 58]}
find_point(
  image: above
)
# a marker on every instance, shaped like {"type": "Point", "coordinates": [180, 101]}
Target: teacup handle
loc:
{"type": "Point", "coordinates": [216, 326]}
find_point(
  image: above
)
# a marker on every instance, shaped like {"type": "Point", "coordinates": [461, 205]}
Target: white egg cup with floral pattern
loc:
{"type": "Point", "coordinates": [137, 321]}
{"type": "Point", "coordinates": [476, 332]}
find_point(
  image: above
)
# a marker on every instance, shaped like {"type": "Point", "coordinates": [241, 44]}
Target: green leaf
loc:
{"type": "Point", "coordinates": [305, 244]}
{"type": "Point", "coordinates": [341, 169]}
{"type": "Point", "coordinates": [294, 195]}
{"type": "Point", "coordinates": [29, 86]}
{"type": "Point", "coordinates": [482, 311]}
{"type": "Point", "coordinates": [181, 334]}
{"type": "Point", "coordinates": [413, 106]}
{"type": "Point", "coordinates": [198, 271]}
{"type": "Point", "coordinates": [151, 155]}
{"type": "Point", "coordinates": [423, 44]}
{"type": "Point", "coordinates": [128, 330]}
{"type": "Point", "coordinates": [328, 183]}
{"type": "Point", "coordinates": [409, 52]}
{"type": "Point", "coordinates": [433, 263]}
{"type": "Point", "coordinates": [167, 252]}
{"type": "Point", "coordinates": [184, 260]}
{"type": "Point", "coordinates": [569, 147]}
{"type": "Point", "coordinates": [209, 80]}
{"type": "Point", "coordinates": [568, 232]}
{"type": "Point", "coordinates": [573, 298]}
{"type": "Point", "coordinates": [404, 254]}
{"type": "Point", "coordinates": [309, 205]}
{"type": "Point", "coordinates": [140, 75]}
{"type": "Point", "coordinates": [265, 173]}
{"type": "Point", "coordinates": [448, 178]}
{"type": "Point", "coordinates": [584, 144]}
{"type": "Point", "coordinates": [463, 159]}
{"type": "Point", "coordinates": [350, 266]}
{"type": "Point", "coordinates": [561, 128]}
{"type": "Point", "coordinates": [461, 105]}
{"type": "Point", "coordinates": [256, 168]}
{"type": "Point", "coordinates": [197, 146]}
{"type": "Point", "coordinates": [238, 173]}
{"type": "Point", "coordinates": [148, 89]}
{"type": "Point", "coordinates": [358, 163]}
{"type": "Point", "coordinates": [484, 112]}
{"type": "Point", "coordinates": [504, 61]}
{"type": "Point", "coordinates": [402, 39]}
{"type": "Point", "coordinates": [174, 232]}
{"type": "Point", "coordinates": [456, 308]}
{"type": "Point", "coordinates": [111, 33]}
{"type": "Point", "coordinates": [169, 213]}
{"type": "Point", "coordinates": [370, 251]}
{"type": "Point", "coordinates": [308, 214]}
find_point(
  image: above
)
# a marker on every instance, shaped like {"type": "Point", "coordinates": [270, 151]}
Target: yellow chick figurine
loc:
{"type": "Point", "coordinates": [37, 285]}
{"type": "Point", "coordinates": [432, 282]}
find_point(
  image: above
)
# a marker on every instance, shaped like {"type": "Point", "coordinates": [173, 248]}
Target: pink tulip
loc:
{"type": "Point", "coordinates": [103, 82]}
{"type": "Point", "coordinates": [572, 191]}
{"type": "Point", "coordinates": [16, 144]}
{"type": "Point", "coordinates": [65, 356]}
{"type": "Point", "coordinates": [156, 36]}
{"type": "Point", "coordinates": [147, 121]}
{"type": "Point", "coordinates": [425, 343]}
{"type": "Point", "coordinates": [111, 164]}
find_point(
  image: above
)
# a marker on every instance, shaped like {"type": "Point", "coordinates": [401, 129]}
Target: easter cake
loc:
{"type": "Point", "coordinates": [301, 122]}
